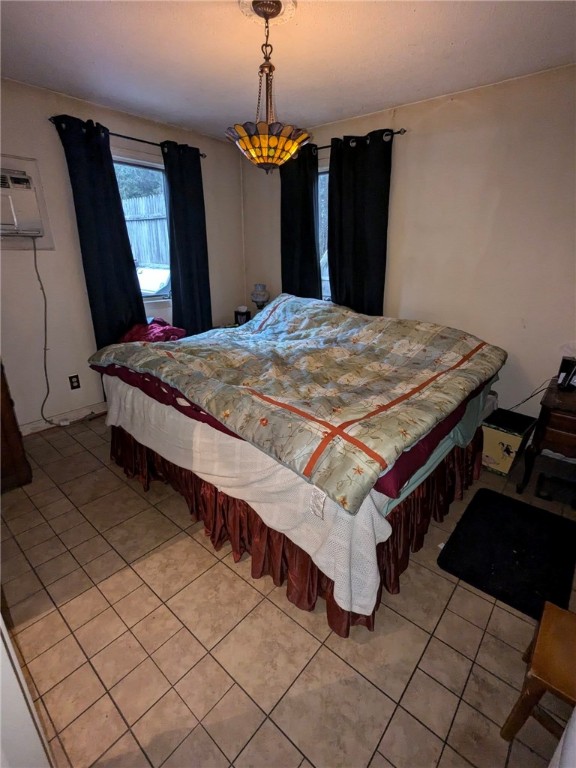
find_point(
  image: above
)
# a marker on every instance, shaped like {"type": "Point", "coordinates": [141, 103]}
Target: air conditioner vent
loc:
{"type": "Point", "coordinates": [20, 182]}
{"type": "Point", "coordinates": [20, 213]}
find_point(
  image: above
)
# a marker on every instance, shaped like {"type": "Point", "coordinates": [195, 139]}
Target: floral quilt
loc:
{"type": "Point", "coordinates": [331, 394]}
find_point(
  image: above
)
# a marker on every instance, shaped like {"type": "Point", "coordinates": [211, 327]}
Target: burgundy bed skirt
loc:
{"type": "Point", "coordinates": [273, 554]}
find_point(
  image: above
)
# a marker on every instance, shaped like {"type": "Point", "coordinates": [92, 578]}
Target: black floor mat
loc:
{"type": "Point", "coordinates": [519, 554]}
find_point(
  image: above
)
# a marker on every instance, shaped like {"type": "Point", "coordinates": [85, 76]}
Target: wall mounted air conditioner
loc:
{"type": "Point", "coordinates": [20, 213]}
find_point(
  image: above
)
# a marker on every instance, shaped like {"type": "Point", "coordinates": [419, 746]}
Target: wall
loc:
{"type": "Point", "coordinates": [481, 229]}
{"type": "Point", "coordinates": [22, 744]}
{"type": "Point", "coordinates": [26, 132]}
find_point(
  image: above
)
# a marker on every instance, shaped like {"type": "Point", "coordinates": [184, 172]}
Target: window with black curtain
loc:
{"type": "Point", "coordinates": [111, 282]}
{"type": "Point", "coordinates": [298, 224]}
{"type": "Point", "coordinates": [358, 197]}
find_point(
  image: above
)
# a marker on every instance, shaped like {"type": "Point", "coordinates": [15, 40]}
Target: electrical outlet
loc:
{"type": "Point", "coordinates": [74, 381]}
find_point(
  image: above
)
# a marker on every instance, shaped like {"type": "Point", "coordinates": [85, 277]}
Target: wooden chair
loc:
{"type": "Point", "coordinates": [551, 660]}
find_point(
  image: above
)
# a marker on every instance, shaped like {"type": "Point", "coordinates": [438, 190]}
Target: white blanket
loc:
{"type": "Point", "coordinates": [343, 546]}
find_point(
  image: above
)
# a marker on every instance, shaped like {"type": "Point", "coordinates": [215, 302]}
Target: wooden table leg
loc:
{"type": "Point", "coordinates": [529, 458]}
{"type": "Point", "coordinates": [532, 692]}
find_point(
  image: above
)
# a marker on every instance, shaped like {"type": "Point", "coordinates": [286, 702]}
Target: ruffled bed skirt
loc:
{"type": "Point", "coordinates": [273, 554]}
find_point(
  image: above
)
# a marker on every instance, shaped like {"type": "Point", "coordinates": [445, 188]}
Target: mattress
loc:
{"type": "Point", "coordinates": [336, 397]}
{"type": "Point", "coordinates": [389, 482]}
{"type": "Point", "coordinates": [343, 546]}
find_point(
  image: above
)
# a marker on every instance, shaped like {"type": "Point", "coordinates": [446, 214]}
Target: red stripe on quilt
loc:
{"type": "Point", "coordinates": [271, 314]}
{"type": "Point", "coordinates": [336, 431]}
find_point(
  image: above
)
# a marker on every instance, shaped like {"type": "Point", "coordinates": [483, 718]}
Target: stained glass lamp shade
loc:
{"type": "Point", "coordinates": [267, 143]}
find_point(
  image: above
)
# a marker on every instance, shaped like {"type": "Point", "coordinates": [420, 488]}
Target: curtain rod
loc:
{"type": "Point", "coordinates": [141, 141]}
{"type": "Point", "coordinates": [131, 138]}
{"type": "Point", "coordinates": [401, 132]}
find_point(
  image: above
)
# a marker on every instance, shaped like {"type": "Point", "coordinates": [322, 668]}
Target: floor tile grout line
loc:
{"type": "Point", "coordinates": [190, 582]}
{"type": "Point", "coordinates": [357, 671]}
{"type": "Point", "coordinates": [129, 731]}
{"type": "Point", "coordinates": [200, 723]}
{"type": "Point", "coordinates": [104, 695]}
{"type": "Point", "coordinates": [131, 727]}
{"type": "Point", "coordinates": [13, 630]}
{"type": "Point", "coordinates": [143, 554]}
{"type": "Point", "coordinates": [429, 570]}
{"type": "Point", "coordinates": [361, 674]}
{"type": "Point", "coordinates": [129, 565]}
{"type": "Point", "coordinates": [107, 693]}
{"type": "Point", "coordinates": [505, 642]}
{"type": "Point", "coordinates": [435, 572]}
{"type": "Point", "coordinates": [501, 679]}
{"type": "Point", "coordinates": [475, 662]}
{"type": "Point", "coordinates": [88, 658]}
{"type": "Point", "coordinates": [57, 606]}
{"type": "Point", "coordinates": [20, 533]}
{"type": "Point", "coordinates": [218, 747]}
{"type": "Point", "coordinates": [267, 597]}
{"type": "Point", "coordinates": [27, 662]}
{"type": "Point", "coordinates": [59, 740]}
{"type": "Point", "coordinates": [493, 601]}
{"type": "Point", "coordinates": [96, 672]}
{"type": "Point", "coordinates": [60, 482]}
{"type": "Point", "coordinates": [98, 535]}
{"type": "Point", "coordinates": [58, 486]}
{"type": "Point", "coordinates": [101, 533]}
{"type": "Point", "coordinates": [438, 682]}
{"type": "Point", "coordinates": [264, 597]}
{"type": "Point", "coordinates": [173, 686]}
{"type": "Point", "coordinates": [461, 699]}
{"type": "Point", "coordinates": [431, 635]}
{"type": "Point", "coordinates": [22, 513]}
{"type": "Point", "coordinates": [42, 588]}
{"type": "Point", "coordinates": [269, 715]}
{"type": "Point", "coordinates": [322, 642]}
{"type": "Point", "coordinates": [267, 719]}
{"type": "Point", "coordinates": [417, 666]}
{"type": "Point", "coordinates": [494, 722]}
{"type": "Point", "coordinates": [81, 566]}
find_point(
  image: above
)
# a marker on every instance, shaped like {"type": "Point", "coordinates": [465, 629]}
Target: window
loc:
{"type": "Point", "coordinates": [323, 232]}
{"type": "Point", "coordinates": [143, 193]}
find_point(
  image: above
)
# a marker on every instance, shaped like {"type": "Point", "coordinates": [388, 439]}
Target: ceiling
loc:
{"type": "Point", "coordinates": [195, 64]}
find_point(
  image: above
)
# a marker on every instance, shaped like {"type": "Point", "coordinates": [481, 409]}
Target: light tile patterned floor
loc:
{"type": "Point", "coordinates": [142, 646]}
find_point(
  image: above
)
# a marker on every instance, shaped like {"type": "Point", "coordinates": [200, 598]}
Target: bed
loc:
{"type": "Point", "coordinates": [318, 440]}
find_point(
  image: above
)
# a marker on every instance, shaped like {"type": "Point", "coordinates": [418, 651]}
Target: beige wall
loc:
{"type": "Point", "coordinates": [26, 132]}
{"type": "Point", "coordinates": [482, 224]}
{"type": "Point", "coordinates": [481, 230]}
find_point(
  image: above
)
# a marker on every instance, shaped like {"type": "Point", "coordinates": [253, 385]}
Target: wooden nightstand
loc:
{"type": "Point", "coordinates": [555, 429]}
{"type": "Point", "coordinates": [16, 470]}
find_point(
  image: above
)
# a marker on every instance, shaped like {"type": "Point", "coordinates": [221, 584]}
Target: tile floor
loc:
{"type": "Point", "coordinates": [142, 646]}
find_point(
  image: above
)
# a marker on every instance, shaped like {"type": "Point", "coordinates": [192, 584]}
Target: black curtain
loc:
{"type": "Point", "coordinates": [111, 281]}
{"type": "Point", "coordinates": [298, 224]}
{"type": "Point", "coordinates": [191, 305]}
{"type": "Point", "coordinates": [358, 195]}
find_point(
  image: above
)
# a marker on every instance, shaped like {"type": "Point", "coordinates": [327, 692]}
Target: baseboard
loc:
{"type": "Point", "coordinates": [64, 419]}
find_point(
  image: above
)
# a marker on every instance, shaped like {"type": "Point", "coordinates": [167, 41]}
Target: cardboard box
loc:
{"type": "Point", "coordinates": [505, 436]}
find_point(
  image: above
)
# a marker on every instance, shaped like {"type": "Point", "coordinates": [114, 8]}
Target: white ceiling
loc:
{"type": "Point", "coordinates": [195, 64]}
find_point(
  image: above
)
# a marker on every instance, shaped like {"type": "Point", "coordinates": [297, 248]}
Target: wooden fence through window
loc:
{"type": "Point", "coordinates": [148, 230]}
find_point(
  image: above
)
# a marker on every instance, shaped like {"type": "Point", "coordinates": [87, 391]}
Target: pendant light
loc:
{"type": "Point", "coordinates": [267, 143]}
